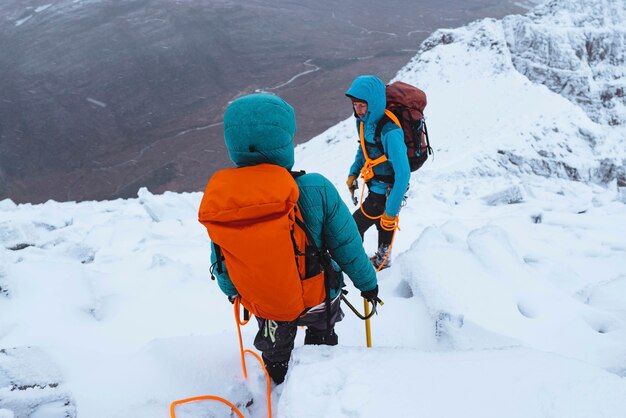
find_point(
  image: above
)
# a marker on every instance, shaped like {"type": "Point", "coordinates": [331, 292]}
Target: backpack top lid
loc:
{"type": "Point", "coordinates": [405, 95]}
{"type": "Point", "coordinates": [259, 128]}
{"type": "Point", "coordinates": [249, 194]}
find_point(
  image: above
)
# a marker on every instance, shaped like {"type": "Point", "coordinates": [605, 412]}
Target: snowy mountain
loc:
{"type": "Point", "coordinates": [506, 298]}
{"type": "Point", "coordinates": [576, 49]}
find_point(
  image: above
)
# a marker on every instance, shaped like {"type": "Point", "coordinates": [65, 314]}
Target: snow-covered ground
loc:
{"type": "Point", "coordinates": [507, 297]}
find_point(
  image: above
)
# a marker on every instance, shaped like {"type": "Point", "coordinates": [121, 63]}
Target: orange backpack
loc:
{"type": "Point", "coordinates": [253, 220]}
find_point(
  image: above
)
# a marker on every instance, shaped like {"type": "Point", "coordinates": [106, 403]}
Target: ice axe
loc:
{"type": "Point", "coordinates": [367, 316]}
{"type": "Point", "coordinates": [354, 199]}
{"type": "Point", "coordinates": [355, 185]}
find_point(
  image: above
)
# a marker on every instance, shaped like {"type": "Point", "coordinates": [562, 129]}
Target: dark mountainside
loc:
{"type": "Point", "coordinates": [101, 97]}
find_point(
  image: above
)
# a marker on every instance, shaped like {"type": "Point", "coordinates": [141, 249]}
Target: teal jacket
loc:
{"type": "Point", "coordinates": [259, 128]}
{"type": "Point", "coordinates": [372, 90]}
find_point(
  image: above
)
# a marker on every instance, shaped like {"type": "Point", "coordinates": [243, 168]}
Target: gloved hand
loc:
{"type": "Point", "coordinates": [232, 298]}
{"type": "Point", "coordinates": [352, 183]}
{"type": "Point", "coordinates": [388, 222]}
{"type": "Point", "coordinates": [371, 295]}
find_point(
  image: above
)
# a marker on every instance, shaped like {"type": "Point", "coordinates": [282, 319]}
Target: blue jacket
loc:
{"type": "Point", "coordinates": [259, 129]}
{"type": "Point", "coordinates": [372, 90]}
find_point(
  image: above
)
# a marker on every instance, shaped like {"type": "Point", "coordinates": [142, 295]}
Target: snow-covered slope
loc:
{"type": "Point", "coordinates": [506, 298]}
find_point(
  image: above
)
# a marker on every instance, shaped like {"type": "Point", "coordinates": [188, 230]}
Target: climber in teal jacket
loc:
{"type": "Point", "coordinates": [391, 178]}
{"type": "Point", "coordinates": [324, 213]}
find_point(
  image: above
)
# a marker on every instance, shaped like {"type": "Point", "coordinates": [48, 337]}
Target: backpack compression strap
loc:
{"type": "Point", "coordinates": [327, 266]}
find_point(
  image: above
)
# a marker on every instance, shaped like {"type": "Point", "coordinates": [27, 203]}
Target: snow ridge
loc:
{"type": "Point", "coordinates": [476, 74]}
{"type": "Point", "coordinates": [577, 49]}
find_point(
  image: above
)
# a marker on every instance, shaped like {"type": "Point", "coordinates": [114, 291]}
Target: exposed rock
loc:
{"type": "Point", "coordinates": [30, 385]}
{"type": "Point", "coordinates": [607, 171]}
{"type": "Point", "coordinates": [577, 49]}
{"type": "Point", "coordinates": [544, 167]}
{"type": "Point", "coordinates": [621, 185]}
{"type": "Point", "coordinates": [508, 196]}
{"type": "Point", "coordinates": [20, 246]}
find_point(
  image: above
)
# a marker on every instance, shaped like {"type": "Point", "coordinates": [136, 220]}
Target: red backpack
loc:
{"type": "Point", "coordinates": [257, 229]}
{"type": "Point", "coordinates": [406, 104]}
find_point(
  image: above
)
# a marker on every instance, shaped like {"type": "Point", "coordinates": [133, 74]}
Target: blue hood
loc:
{"type": "Point", "coordinates": [259, 128]}
{"type": "Point", "coordinates": [372, 90]}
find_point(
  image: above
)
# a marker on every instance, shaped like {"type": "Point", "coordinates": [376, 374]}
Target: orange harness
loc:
{"type": "Point", "coordinates": [367, 172]}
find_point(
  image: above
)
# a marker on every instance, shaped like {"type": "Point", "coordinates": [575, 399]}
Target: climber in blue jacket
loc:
{"type": "Point", "coordinates": [391, 178]}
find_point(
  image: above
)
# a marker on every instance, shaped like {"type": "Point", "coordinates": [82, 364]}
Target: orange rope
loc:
{"type": "Point", "coordinates": [239, 324]}
{"type": "Point", "coordinates": [243, 362]}
{"type": "Point", "coordinates": [386, 225]}
{"type": "Point", "coordinates": [267, 380]}
{"type": "Point", "coordinates": [390, 225]}
{"type": "Point", "coordinates": [367, 172]}
{"type": "Point", "coordinates": [245, 374]}
{"type": "Point", "coordinates": [361, 206]}
{"type": "Point", "coordinates": [204, 398]}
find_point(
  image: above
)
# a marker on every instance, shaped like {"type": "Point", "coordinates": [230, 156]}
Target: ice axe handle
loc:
{"type": "Point", "coordinates": [355, 185]}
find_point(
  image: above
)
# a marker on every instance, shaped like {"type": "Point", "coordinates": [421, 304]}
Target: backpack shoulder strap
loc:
{"type": "Point", "coordinates": [219, 258]}
{"type": "Point", "coordinates": [388, 117]}
{"type": "Point", "coordinates": [393, 117]}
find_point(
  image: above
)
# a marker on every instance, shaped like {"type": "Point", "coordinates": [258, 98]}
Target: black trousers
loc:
{"type": "Point", "coordinates": [275, 339]}
{"type": "Point", "coordinates": [373, 205]}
